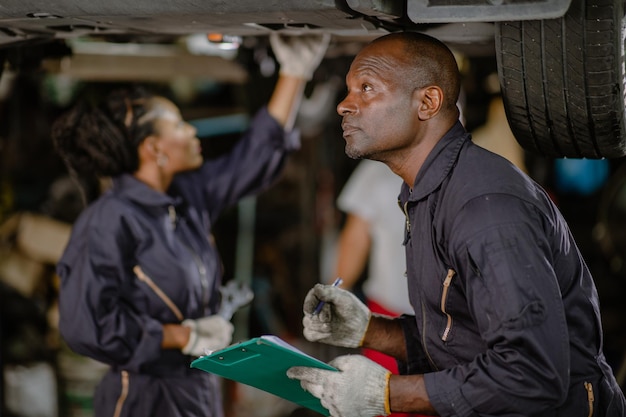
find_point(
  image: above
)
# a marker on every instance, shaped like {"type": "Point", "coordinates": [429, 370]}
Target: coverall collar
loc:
{"type": "Point", "coordinates": [140, 193]}
{"type": "Point", "coordinates": [437, 165]}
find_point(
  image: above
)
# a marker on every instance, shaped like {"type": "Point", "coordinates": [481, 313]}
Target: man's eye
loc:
{"type": "Point", "coordinates": [366, 87]}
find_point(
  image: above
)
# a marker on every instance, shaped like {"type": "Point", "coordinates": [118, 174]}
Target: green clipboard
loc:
{"type": "Point", "coordinates": [262, 362]}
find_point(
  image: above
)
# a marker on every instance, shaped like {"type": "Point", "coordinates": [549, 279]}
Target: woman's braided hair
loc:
{"type": "Point", "coordinates": [103, 140]}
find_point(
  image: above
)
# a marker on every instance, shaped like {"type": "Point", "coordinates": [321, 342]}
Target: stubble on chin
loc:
{"type": "Point", "coordinates": [353, 153]}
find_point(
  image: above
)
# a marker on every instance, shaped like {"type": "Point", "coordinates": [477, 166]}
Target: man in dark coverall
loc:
{"type": "Point", "coordinates": [506, 318]}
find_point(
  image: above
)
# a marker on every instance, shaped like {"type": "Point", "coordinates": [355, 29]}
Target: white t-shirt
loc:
{"type": "Point", "coordinates": [372, 193]}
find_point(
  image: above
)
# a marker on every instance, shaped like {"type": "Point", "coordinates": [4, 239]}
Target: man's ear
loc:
{"type": "Point", "coordinates": [429, 101]}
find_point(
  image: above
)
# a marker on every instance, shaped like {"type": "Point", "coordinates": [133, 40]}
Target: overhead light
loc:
{"type": "Point", "coordinates": [213, 44]}
{"type": "Point", "coordinates": [225, 42]}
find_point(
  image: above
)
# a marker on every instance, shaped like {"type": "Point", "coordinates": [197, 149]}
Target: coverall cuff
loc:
{"type": "Point", "coordinates": [417, 362]}
{"type": "Point", "coordinates": [291, 139]}
{"type": "Point", "coordinates": [149, 347]}
{"type": "Point", "coordinates": [445, 395]}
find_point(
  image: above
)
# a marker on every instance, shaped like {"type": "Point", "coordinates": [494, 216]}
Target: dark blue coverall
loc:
{"type": "Point", "coordinates": [138, 259]}
{"type": "Point", "coordinates": [507, 319]}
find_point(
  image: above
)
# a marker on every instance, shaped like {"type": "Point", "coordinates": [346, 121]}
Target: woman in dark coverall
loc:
{"type": "Point", "coordinates": [140, 276]}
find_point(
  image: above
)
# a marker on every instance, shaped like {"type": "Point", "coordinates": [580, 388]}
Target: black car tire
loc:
{"type": "Point", "coordinates": [562, 81]}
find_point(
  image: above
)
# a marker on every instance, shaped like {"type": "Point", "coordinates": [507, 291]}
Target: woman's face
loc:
{"type": "Point", "coordinates": [178, 148]}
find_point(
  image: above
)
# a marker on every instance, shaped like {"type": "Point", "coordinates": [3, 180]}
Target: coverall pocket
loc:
{"type": "Point", "coordinates": [151, 284]}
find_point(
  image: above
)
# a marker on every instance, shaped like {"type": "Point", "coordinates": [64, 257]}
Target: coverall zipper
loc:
{"type": "Point", "coordinates": [122, 398]}
{"type": "Point", "coordinates": [168, 301]}
{"type": "Point", "coordinates": [204, 282]}
{"type": "Point", "coordinates": [444, 298]}
{"type": "Point", "coordinates": [405, 210]}
{"type": "Point", "coordinates": [590, 397]}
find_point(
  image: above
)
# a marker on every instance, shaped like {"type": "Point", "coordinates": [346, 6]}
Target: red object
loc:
{"type": "Point", "coordinates": [382, 359]}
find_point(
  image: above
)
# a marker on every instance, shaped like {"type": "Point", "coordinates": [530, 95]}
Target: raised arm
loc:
{"type": "Point", "coordinates": [298, 57]}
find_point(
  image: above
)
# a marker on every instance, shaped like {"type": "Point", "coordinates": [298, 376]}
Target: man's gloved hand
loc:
{"type": "Point", "coordinates": [342, 321]}
{"type": "Point", "coordinates": [359, 389]}
{"type": "Point", "coordinates": [299, 56]}
{"type": "Point", "coordinates": [207, 334]}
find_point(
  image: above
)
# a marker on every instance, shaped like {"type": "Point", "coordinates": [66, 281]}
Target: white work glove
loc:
{"type": "Point", "coordinates": [299, 56]}
{"type": "Point", "coordinates": [359, 389]}
{"type": "Point", "coordinates": [342, 321]}
{"type": "Point", "coordinates": [207, 334]}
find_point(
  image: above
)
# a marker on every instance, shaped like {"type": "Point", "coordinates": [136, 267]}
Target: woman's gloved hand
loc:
{"type": "Point", "coordinates": [359, 389]}
{"type": "Point", "coordinates": [299, 56]}
{"type": "Point", "coordinates": [207, 334]}
{"type": "Point", "coordinates": [342, 321]}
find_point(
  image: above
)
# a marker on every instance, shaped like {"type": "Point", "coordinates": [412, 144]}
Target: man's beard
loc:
{"type": "Point", "coordinates": [354, 153]}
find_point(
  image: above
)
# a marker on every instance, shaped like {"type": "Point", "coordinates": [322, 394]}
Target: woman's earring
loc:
{"type": "Point", "coordinates": [161, 160]}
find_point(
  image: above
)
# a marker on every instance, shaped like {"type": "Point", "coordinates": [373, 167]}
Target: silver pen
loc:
{"type": "Point", "coordinates": [337, 283]}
